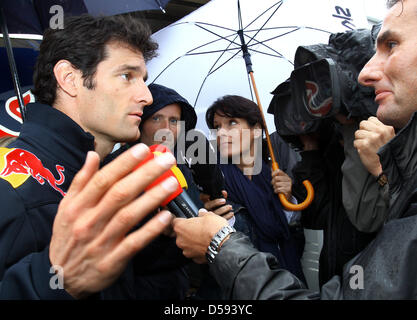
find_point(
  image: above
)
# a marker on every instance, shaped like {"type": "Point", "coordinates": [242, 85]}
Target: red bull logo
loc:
{"type": "Point", "coordinates": [17, 165]}
{"type": "Point", "coordinates": [320, 110]}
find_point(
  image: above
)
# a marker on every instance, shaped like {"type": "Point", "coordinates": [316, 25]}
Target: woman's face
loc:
{"type": "Point", "coordinates": [235, 136]}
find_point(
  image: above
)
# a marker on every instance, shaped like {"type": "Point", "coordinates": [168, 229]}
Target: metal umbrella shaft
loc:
{"type": "Point", "coordinates": [160, 6]}
{"type": "Point", "coordinates": [12, 64]}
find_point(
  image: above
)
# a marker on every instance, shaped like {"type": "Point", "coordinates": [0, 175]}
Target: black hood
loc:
{"type": "Point", "coordinates": [163, 96]}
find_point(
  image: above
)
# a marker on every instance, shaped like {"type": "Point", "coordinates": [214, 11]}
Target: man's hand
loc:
{"type": "Point", "coordinates": [281, 183]}
{"type": "Point", "coordinates": [371, 136]}
{"type": "Point", "coordinates": [218, 206]}
{"type": "Point", "coordinates": [194, 235]}
{"type": "Point", "coordinates": [91, 239]}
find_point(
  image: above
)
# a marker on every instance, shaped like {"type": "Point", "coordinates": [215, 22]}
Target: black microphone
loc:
{"type": "Point", "coordinates": [206, 173]}
{"type": "Point", "coordinates": [182, 205]}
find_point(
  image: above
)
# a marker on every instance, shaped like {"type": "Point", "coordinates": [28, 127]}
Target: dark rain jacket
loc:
{"type": "Point", "coordinates": [36, 171]}
{"type": "Point", "coordinates": [341, 239]}
{"type": "Point", "coordinates": [388, 263]}
{"type": "Point", "coordinates": [365, 201]}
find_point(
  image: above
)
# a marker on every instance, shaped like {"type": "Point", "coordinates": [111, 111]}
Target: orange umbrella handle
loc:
{"type": "Point", "coordinates": [296, 207]}
{"type": "Point", "coordinates": [301, 206]}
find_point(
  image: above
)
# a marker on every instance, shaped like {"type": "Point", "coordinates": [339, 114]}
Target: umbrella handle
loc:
{"type": "Point", "coordinates": [296, 207]}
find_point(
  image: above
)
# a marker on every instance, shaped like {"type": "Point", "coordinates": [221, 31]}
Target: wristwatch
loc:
{"type": "Point", "coordinates": [213, 248]}
{"type": "Point", "coordinates": [382, 179]}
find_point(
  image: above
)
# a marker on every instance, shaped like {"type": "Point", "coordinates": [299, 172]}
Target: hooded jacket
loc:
{"type": "Point", "coordinates": [163, 96]}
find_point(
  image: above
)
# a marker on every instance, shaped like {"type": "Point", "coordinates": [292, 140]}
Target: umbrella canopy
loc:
{"type": "Point", "coordinates": [201, 55]}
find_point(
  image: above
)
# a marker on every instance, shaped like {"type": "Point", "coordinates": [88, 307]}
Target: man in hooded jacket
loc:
{"type": "Point", "coordinates": [167, 121]}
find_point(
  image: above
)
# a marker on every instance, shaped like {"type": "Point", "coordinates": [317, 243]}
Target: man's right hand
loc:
{"type": "Point", "coordinates": [194, 235]}
{"type": "Point", "coordinates": [371, 136]}
{"type": "Point", "coordinates": [91, 237]}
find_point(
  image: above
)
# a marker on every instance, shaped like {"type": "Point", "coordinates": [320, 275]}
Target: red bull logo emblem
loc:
{"type": "Point", "coordinates": [17, 165]}
{"type": "Point", "coordinates": [320, 110]}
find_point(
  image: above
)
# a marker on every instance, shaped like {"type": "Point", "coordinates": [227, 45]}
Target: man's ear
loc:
{"type": "Point", "coordinates": [67, 77]}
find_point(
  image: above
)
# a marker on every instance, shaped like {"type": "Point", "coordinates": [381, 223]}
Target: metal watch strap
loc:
{"type": "Point", "coordinates": [213, 248]}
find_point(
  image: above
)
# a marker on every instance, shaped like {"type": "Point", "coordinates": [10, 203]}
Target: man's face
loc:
{"type": "Point", "coordinates": [111, 111]}
{"type": "Point", "coordinates": [162, 127]}
{"type": "Point", "coordinates": [392, 71]}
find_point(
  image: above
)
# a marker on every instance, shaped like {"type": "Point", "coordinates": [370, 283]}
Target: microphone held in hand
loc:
{"type": "Point", "coordinates": [206, 173]}
{"type": "Point", "coordinates": [182, 206]}
{"type": "Point", "coordinates": [179, 202]}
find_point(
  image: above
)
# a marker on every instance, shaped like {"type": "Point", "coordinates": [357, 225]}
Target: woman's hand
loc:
{"type": "Point", "coordinates": [218, 206]}
{"type": "Point", "coordinates": [281, 183]}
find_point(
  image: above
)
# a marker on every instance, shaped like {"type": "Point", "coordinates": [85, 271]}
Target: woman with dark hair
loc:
{"type": "Point", "coordinates": [258, 213]}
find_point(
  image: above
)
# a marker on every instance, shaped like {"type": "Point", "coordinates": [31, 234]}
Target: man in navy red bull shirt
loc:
{"type": "Point", "coordinates": [59, 241]}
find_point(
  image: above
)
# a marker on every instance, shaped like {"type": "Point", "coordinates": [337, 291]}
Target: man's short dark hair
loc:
{"type": "Point", "coordinates": [83, 43]}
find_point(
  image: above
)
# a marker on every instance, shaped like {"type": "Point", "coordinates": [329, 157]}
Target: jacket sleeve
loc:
{"type": "Point", "coordinates": [385, 269]}
{"type": "Point", "coordinates": [31, 279]}
{"type": "Point", "coordinates": [245, 273]}
{"type": "Point", "coordinates": [24, 269]}
{"type": "Point", "coordinates": [365, 201]}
